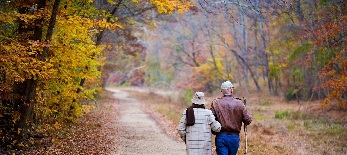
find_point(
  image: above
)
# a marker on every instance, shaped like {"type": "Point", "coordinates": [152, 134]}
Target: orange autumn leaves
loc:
{"type": "Point", "coordinates": [72, 55]}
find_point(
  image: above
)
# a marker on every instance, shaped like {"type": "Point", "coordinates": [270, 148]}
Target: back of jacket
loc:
{"type": "Point", "coordinates": [198, 137]}
{"type": "Point", "coordinates": [230, 112]}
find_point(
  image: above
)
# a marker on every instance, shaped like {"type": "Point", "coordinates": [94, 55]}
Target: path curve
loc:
{"type": "Point", "coordinates": [139, 134]}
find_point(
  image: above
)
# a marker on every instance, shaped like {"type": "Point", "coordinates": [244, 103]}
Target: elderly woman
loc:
{"type": "Point", "coordinates": [195, 127]}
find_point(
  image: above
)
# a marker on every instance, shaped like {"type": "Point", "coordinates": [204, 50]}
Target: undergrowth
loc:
{"type": "Point", "coordinates": [324, 133]}
{"type": "Point", "coordinates": [88, 135]}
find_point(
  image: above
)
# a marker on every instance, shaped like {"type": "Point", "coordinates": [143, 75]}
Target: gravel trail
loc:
{"type": "Point", "coordinates": [138, 133]}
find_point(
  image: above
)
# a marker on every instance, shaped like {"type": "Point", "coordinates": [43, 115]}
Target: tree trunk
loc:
{"type": "Point", "coordinates": [298, 10]}
{"type": "Point", "coordinates": [24, 104]}
{"type": "Point", "coordinates": [242, 66]}
{"type": "Point", "coordinates": [264, 54]}
{"type": "Point", "coordinates": [26, 90]}
{"type": "Point", "coordinates": [256, 49]}
{"type": "Point", "coordinates": [249, 69]}
{"type": "Point", "coordinates": [51, 25]}
{"type": "Point", "coordinates": [244, 45]}
{"type": "Point", "coordinates": [275, 91]}
{"type": "Point", "coordinates": [216, 70]}
{"type": "Point", "coordinates": [243, 62]}
{"type": "Point", "coordinates": [342, 25]}
{"type": "Point", "coordinates": [98, 42]}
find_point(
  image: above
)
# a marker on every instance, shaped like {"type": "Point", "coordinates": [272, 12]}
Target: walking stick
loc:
{"type": "Point", "coordinates": [245, 129]}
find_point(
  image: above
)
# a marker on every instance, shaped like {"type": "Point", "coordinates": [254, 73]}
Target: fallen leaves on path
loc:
{"type": "Point", "coordinates": [92, 134]}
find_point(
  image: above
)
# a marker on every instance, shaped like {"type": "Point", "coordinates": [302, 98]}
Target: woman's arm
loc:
{"type": "Point", "coordinates": [182, 126]}
{"type": "Point", "coordinates": [215, 125]}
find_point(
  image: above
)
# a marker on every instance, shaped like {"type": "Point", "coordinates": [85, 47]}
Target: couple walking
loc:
{"type": "Point", "coordinates": [224, 119]}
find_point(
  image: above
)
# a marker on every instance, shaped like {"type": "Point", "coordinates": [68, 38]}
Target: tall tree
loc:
{"type": "Point", "coordinates": [30, 61]}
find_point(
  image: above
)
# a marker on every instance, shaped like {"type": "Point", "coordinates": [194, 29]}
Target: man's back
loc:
{"type": "Point", "coordinates": [230, 112]}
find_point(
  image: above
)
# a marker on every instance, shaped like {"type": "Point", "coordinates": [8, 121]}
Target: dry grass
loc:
{"type": "Point", "coordinates": [278, 127]}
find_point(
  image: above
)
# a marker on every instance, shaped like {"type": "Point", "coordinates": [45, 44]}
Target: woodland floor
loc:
{"type": "Point", "coordinates": [128, 122]}
{"type": "Point", "coordinates": [93, 134]}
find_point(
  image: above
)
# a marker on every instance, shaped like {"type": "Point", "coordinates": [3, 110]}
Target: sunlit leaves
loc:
{"type": "Point", "coordinates": [75, 56]}
{"type": "Point", "coordinates": [20, 63]}
{"type": "Point", "coordinates": [57, 65]}
{"type": "Point", "coordinates": [168, 6]}
{"type": "Point", "coordinates": [8, 18]}
{"type": "Point", "coordinates": [72, 56]}
{"type": "Point", "coordinates": [206, 74]}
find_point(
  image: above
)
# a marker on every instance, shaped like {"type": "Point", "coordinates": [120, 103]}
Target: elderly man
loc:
{"type": "Point", "coordinates": [230, 112]}
{"type": "Point", "coordinates": [195, 127]}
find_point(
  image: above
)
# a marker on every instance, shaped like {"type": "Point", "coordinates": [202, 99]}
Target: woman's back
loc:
{"type": "Point", "coordinates": [198, 136]}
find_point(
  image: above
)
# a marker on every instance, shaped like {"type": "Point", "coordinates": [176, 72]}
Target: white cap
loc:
{"type": "Point", "coordinates": [199, 98]}
{"type": "Point", "coordinates": [227, 85]}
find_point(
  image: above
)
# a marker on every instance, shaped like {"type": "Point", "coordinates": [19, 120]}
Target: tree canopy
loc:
{"type": "Point", "coordinates": [51, 56]}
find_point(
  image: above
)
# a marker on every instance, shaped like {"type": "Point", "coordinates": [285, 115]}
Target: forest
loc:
{"type": "Point", "coordinates": [57, 56]}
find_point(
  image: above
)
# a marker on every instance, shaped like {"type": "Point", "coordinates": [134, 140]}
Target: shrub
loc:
{"type": "Point", "coordinates": [265, 103]}
{"type": "Point", "coordinates": [258, 117]}
{"type": "Point", "coordinates": [187, 96]}
{"type": "Point", "coordinates": [281, 114]}
{"type": "Point", "coordinates": [290, 94]}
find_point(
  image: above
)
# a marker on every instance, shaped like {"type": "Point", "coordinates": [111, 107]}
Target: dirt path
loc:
{"type": "Point", "coordinates": [139, 134]}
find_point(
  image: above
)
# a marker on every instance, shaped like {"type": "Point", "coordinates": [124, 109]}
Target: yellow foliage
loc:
{"type": "Point", "coordinates": [208, 73]}
{"type": "Point", "coordinates": [57, 126]}
{"type": "Point", "coordinates": [168, 6]}
{"type": "Point", "coordinates": [72, 56]}
{"type": "Point", "coordinates": [7, 17]}
{"type": "Point", "coordinates": [87, 108]}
